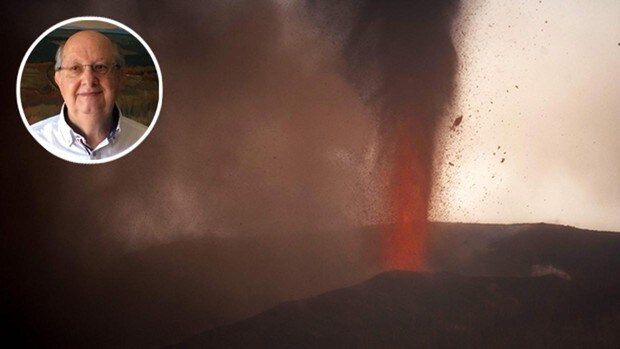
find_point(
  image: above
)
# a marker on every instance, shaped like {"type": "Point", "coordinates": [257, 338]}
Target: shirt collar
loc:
{"type": "Point", "coordinates": [69, 136]}
{"type": "Point", "coordinates": [116, 120]}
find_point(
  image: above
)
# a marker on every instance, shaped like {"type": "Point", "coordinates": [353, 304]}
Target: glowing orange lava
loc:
{"type": "Point", "coordinates": [405, 241]}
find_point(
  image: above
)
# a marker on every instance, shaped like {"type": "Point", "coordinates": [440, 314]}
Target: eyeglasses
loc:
{"type": "Point", "coordinates": [76, 70]}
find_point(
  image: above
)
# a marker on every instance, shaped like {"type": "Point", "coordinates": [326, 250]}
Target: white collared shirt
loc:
{"type": "Point", "coordinates": [55, 135]}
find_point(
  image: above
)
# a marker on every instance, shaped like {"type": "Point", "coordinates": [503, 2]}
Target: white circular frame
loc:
{"type": "Point", "coordinates": [130, 31]}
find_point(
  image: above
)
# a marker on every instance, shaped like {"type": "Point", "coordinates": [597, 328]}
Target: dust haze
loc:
{"type": "Point", "coordinates": [273, 121]}
{"type": "Point", "coordinates": [538, 86]}
{"type": "Point", "coordinates": [274, 143]}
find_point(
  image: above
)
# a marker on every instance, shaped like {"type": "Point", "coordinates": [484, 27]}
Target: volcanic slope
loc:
{"type": "Point", "coordinates": [519, 285]}
{"type": "Point", "coordinates": [400, 309]}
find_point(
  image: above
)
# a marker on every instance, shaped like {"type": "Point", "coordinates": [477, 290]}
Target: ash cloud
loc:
{"type": "Point", "coordinates": [265, 135]}
{"type": "Point", "coordinates": [260, 132]}
{"type": "Point", "coordinates": [402, 60]}
{"type": "Point", "coordinates": [276, 123]}
{"type": "Point", "coordinates": [268, 125]}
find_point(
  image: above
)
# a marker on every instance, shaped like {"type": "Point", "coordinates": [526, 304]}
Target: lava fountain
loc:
{"type": "Point", "coordinates": [403, 61]}
{"type": "Point", "coordinates": [408, 196]}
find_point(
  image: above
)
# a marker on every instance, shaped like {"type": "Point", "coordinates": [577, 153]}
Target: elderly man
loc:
{"type": "Point", "coordinates": [90, 125]}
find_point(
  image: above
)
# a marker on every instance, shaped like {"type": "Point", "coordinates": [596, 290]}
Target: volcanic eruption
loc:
{"type": "Point", "coordinates": [404, 62]}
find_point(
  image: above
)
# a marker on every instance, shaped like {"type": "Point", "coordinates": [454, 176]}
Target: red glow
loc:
{"type": "Point", "coordinates": [405, 242]}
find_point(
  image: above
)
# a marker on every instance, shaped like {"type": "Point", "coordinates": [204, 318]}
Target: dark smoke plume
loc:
{"type": "Point", "coordinates": [403, 61]}
{"type": "Point", "coordinates": [276, 140]}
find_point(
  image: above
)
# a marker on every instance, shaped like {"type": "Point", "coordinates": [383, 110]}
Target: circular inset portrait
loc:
{"type": "Point", "coordinates": [89, 90]}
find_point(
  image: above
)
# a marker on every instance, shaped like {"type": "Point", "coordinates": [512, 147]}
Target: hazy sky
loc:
{"type": "Point", "coordinates": [539, 88]}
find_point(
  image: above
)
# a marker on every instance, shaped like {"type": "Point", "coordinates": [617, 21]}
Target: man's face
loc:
{"type": "Point", "coordinates": [88, 93]}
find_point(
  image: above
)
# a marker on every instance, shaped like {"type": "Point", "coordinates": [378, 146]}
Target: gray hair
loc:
{"type": "Point", "coordinates": [119, 58]}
